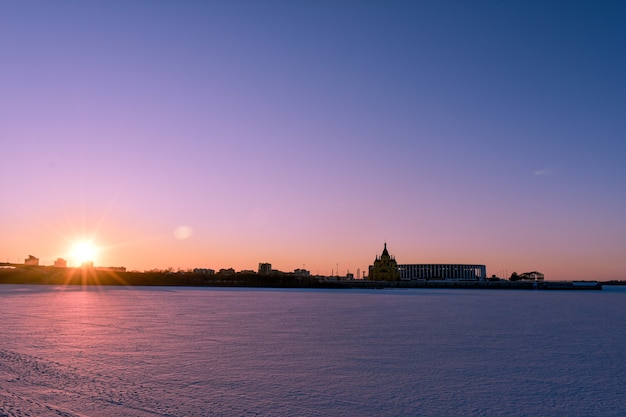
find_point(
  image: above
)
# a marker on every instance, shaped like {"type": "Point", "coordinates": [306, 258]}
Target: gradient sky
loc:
{"type": "Point", "coordinates": [224, 134]}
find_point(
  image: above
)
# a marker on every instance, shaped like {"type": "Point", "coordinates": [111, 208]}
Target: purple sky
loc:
{"type": "Point", "coordinates": [224, 134]}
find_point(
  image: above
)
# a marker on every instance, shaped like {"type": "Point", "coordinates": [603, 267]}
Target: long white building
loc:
{"type": "Point", "coordinates": [458, 272]}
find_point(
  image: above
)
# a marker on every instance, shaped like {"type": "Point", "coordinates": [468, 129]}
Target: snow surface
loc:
{"type": "Point", "coordinates": [119, 351]}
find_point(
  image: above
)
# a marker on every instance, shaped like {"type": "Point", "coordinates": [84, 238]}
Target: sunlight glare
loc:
{"type": "Point", "coordinates": [83, 251]}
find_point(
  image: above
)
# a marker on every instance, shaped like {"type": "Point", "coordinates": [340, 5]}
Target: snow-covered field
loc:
{"type": "Point", "coordinates": [247, 352]}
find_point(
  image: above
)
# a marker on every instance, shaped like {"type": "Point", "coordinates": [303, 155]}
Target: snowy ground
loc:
{"type": "Point", "coordinates": [246, 352]}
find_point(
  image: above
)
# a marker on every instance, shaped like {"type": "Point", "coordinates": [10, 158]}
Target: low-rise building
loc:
{"type": "Point", "coordinates": [301, 273]}
{"type": "Point", "coordinates": [265, 268]}
{"type": "Point", "coordinates": [31, 260]}
{"type": "Point", "coordinates": [60, 263]}
{"type": "Point", "coordinates": [531, 276]}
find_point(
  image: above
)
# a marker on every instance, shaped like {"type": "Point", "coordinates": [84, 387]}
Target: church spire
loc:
{"type": "Point", "coordinates": [385, 253]}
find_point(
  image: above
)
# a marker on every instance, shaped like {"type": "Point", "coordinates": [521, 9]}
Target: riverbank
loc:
{"type": "Point", "coordinates": [46, 275]}
{"type": "Point", "coordinates": [508, 285]}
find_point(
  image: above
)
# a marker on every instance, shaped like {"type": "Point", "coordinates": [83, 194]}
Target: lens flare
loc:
{"type": "Point", "coordinates": [183, 232]}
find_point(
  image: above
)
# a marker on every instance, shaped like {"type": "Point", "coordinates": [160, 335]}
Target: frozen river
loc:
{"type": "Point", "coordinates": [121, 351]}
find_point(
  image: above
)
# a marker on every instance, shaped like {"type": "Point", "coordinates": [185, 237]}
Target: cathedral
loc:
{"type": "Point", "coordinates": [385, 268]}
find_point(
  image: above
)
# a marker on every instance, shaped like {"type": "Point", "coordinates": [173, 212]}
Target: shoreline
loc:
{"type": "Point", "coordinates": [46, 275]}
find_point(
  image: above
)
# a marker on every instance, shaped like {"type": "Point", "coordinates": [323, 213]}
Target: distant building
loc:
{"type": "Point", "coordinates": [60, 263]}
{"type": "Point", "coordinates": [111, 268]}
{"type": "Point", "coordinates": [385, 268]}
{"type": "Point", "coordinates": [349, 275]}
{"type": "Point", "coordinates": [204, 271]}
{"type": "Point", "coordinates": [87, 264]}
{"type": "Point", "coordinates": [531, 276]}
{"type": "Point", "coordinates": [227, 272]}
{"type": "Point", "coordinates": [31, 260]}
{"type": "Point", "coordinates": [265, 269]}
{"type": "Point", "coordinates": [301, 273]}
{"type": "Point", "coordinates": [453, 272]}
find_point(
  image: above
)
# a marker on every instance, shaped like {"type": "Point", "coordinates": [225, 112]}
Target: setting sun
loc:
{"type": "Point", "coordinates": [83, 251]}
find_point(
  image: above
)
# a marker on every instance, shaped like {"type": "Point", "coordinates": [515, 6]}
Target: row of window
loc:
{"type": "Point", "coordinates": [443, 271]}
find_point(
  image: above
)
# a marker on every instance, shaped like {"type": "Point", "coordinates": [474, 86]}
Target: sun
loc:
{"type": "Point", "coordinates": [83, 251]}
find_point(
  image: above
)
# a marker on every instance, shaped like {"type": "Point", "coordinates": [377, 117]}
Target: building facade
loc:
{"type": "Point", "coordinates": [456, 272]}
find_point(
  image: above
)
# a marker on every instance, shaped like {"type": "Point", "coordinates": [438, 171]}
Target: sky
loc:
{"type": "Point", "coordinates": [306, 134]}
